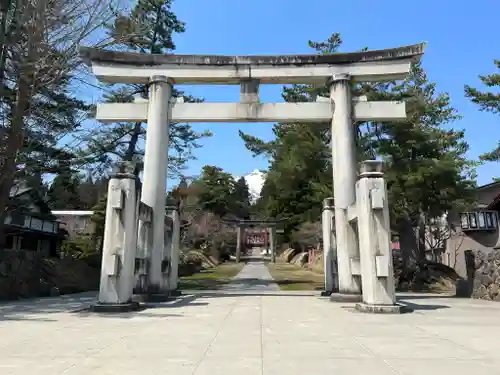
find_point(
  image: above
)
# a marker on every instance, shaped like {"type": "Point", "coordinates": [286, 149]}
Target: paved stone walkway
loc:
{"type": "Point", "coordinates": [253, 277]}
{"type": "Point", "coordinates": [262, 332]}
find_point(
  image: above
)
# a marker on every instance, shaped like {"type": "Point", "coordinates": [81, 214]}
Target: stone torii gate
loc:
{"type": "Point", "coordinates": [337, 71]}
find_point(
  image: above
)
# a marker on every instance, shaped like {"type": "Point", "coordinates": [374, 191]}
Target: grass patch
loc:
{"type": "Point", "coordinates": [291, 277]}
{"type": "Point", "coordinates": [212, 278]}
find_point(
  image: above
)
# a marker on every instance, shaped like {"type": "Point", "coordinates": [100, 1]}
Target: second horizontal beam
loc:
{"type": "Point", "coordinates": [238, 112]}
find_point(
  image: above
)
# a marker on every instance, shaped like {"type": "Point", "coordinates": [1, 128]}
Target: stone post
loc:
{"type": "Point", "coordinates": [239, 236]}
{"type": "Point", "coordinates": [329, 247]}
{"type": "Point", "coordinates": [266, 241]}
{"type": "Point", "coordinates": [120, 241]}
{"type": "Point", "coordinates": [175, 250]}
{"type": "Point", "coordinates": [155, 175]}
{"type": "Point", "coordinates": [166, 266]}
{"type": "Point", "coordinates": [344, 180]}
{"type": "Point", "coordinates": [272, 242]}
{"type": "Point", "coordinates": [377, 273]}
{"type": "Point", "coordinates": [144, 246]}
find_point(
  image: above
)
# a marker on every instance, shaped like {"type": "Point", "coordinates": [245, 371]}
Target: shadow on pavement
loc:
{"type": "Point", "coordinates": [425, 296]}
{"type": "Point", "coordinates": [251, 293]}
{"type": "Point", "coordinates": [410, 306]}
{"type": "Point", "coordinates": [26, 310]}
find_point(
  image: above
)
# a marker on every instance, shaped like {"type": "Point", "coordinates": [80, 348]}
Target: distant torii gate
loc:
{"type": "Point", "coordinates": [271, 225]}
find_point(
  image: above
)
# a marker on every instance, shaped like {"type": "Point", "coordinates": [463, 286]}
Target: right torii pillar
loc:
{"type": "Point", "coordinates": [362, 227]}
{"type": "Point", "coordinates": [272, 243]}
{"type": "Point", "coordinates": [344, 180]}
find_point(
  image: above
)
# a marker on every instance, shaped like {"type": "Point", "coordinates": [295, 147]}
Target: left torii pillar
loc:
{"type": "Point", "coordinates": [120, 243]}
{"type": "Point", "coordinates": [154, 184]}
{"type": "Point", "coordinates": [239, 240]}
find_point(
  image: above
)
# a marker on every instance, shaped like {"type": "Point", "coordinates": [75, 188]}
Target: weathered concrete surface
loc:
{"type": "Point", "coordinates": [274, 333]}
{"type": "Point", "coordinates": [253, 277]}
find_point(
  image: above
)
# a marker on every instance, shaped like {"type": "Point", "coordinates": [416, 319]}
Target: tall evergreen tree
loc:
{"type": "Point", "coordinates": [241, 199]}
{"type": "Point", "coordinates": [216, 189]}
{"type": "Point", "coordinates": [64, 192]}
{"type": "Point", "coordinates": [488, 101]}
{"type": "Point", "coordinates": [428, 173]}
{"type": "Point", "coordinates": [88, 191]}
{"type": "Point", "coordinates": [148, 28]}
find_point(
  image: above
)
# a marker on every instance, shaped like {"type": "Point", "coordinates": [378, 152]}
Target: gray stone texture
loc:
{"type": "Point", "coordinates": [265, 334]}
{"type": "Point", "coordinates": [486, 280]}
{"type": "Point", "coordinates": [253, 277]}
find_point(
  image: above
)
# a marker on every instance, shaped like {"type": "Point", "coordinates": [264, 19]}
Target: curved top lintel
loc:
{"type": "Point", "coordinates": [89, 55]}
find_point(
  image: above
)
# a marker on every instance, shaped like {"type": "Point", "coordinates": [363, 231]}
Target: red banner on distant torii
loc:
{"type": "Point", "coordinates": [256, 237]}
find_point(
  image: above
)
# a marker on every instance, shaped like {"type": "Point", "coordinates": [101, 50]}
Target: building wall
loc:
{"type": "Point", "coordinates": [460, 241]}
{"type": "Point", "coordinates": [76, 222]}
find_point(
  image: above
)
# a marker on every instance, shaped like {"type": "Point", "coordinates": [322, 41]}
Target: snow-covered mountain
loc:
{"type": "Point", "coordinates": [255, 180]}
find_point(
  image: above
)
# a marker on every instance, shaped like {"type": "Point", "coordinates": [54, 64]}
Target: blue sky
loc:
{"type": "Point", "coordinates": [462, 41]}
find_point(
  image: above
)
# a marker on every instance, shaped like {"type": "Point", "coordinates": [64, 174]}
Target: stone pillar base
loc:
{"type": "Point", "coordinates": [379, 309]}
{"type": "Point", "coordinates": [114, 307]}
{"type": "Point", "coordinates": [343, 297]}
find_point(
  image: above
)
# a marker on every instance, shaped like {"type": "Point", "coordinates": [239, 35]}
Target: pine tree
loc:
{"type": "Point", "coordinates": [241, 199]}
{"type": "Point", "coordinates": [88, 192]}
{"type": "Point", "coordinates": [64, 192]}
{"type": "Point", "coordinates": [427, 173]}
{"type": "Point", "coordinates": [148, 28]}
{"type": "Point", "coordinates": [488, 101]}
{"type": "Point", "coordinates": [216, 188]}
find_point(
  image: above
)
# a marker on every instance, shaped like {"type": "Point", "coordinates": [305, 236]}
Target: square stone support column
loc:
{"type": "Point", "coordinates": [344, 180]}
{"type": "Point", "coordinates": [120, 242]}
{"type": "Point", "coordinates": [166, 263]}
{"type": "Point", "coordinates": [329, 247]}
{"type": "Point", "coordinates": [155, 175]}
{"type": "Point", "coordinates": [272, 242]}
{"type": "Point", "coordinates": [377, 274]}
{"type": "Point", "coordinates": [175, 249]}
{"type": "Point", "coordinates": [239, 238]}
{"type": "Point", "coordinates": [144, 247]}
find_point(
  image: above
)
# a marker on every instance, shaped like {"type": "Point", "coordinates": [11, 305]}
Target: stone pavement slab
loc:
{"type": "Point", "coordinates": [230, 332]}
{"type": "Point", "coordinates": [253, 277]}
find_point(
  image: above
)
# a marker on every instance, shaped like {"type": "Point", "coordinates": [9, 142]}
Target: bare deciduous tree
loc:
{"type": "Point", "coordinates": [39, 60]}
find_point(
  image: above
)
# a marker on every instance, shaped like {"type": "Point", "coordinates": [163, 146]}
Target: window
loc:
{"type": "Point", "coordinates": [48, 226]}
{"type": "Point", "coordinates": [479, 220]}
{"type": "Point", "coordinates": [36, 223]}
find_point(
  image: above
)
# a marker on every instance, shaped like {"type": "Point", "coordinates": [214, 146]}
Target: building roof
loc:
{"type": "Point", "coordinates": [19, 188]}
{"type": "Point", "coordinates": [490, 185]}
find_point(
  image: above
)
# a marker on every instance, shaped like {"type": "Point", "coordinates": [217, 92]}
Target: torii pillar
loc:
{"type": "Point", "coordinates": [344, 181]}
{"type": "Point", "coordinates": [154, 179]}
{"type": "Point", "coordinates": [272, 242]}
{"type": "Point", "coordinates": [239, 239]}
